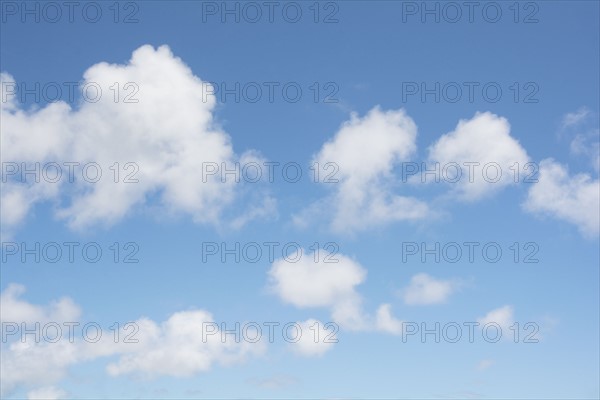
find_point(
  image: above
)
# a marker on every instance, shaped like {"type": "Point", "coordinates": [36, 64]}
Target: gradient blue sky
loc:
{"type": "Point", "coordinates": [368, 54]}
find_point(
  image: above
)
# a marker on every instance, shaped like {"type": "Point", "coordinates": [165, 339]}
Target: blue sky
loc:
{"type": "Point", "coordinates": [372, 129]}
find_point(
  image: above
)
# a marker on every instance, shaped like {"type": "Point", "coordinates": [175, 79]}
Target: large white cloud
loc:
{"type": "Point", "coordinates": [366, 150]}
{"type": "Point", "coordinates": [483, 139]}
{"type": "Point", "coordinates": [169, 133]}
{"type": "Point", "coordinates": [574, 199]}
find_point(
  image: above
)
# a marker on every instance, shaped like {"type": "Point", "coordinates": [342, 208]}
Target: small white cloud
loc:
{"type": "Point", "coordinates": [484, 139]}
{"type": "Point", "coordinates": [484, 364]}
{"type": "Point", "coordinates": [307, 283]}
{"type": "Point", "coordinates": [424, 289]}
{"type": "Point", "coordinates": [574, 199]}
{"type": "Point", "coordinates": [13, 309]}
{"type": "Point", "coordinates": [581, 128]}
{"type": "Point", "coordinates": [348, 313]}
{"type": "Point", "coordinates": [587, 146]}
{"type": "Point", "coordinates": [386, 322]}
{"type": "Point", "coordinates": [46, 393]}
{"type": "Point", "coordinates": [265, 211]}
{"type": "Point", "coordinates": [575, 118]}
{"type": "Point", "coordinates": [273, 382]}
{"type": "Point", "coordinates": [502, 316]}
{"type": "Point", "coordinates": [314, 340]}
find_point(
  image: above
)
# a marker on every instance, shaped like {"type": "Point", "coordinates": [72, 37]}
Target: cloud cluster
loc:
{"type": "Point", "coordinates": [368, 149]}
{"type": "Point", "coordinates": [175, 347]}
{"type": "Point", "coordinates": [310, 284]}
{"type": "Point", "coordinates": [167, 128]}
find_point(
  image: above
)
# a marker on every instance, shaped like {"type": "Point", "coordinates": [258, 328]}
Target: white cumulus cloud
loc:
{"type": "Point", "coordinates": [177, 347]}
{"type": "Point", "coordinates": [309, 283]}
{"type": "Point", "coordinates": [168, 134]}
{"type": "Point", "coordinates": [574, 199]}
{"type": "Point", "coordinates": [366, 149]}
{"type": "Point", "coordinates": [484, 139]}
